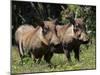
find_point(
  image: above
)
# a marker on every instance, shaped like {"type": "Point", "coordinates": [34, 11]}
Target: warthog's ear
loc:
{"type": "Point", "coordinates": [79, 21]}
{"type": "Point", "coordinates": [41, 24]}
{"type": "Point", "coordinates": [55, 21]}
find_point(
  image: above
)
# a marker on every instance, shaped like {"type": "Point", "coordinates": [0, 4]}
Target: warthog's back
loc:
{"type": "Point", "coordinates": [65, 32]}
{"type": "Point", "coordinates": [22, 30]}
{"type": "Point", "coordinates": [30, 37]}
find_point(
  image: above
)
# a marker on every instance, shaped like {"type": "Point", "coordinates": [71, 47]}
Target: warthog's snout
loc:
{"type": "Point", "coordinates": [84, 38]}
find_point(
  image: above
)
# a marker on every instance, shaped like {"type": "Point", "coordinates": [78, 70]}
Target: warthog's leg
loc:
{"type": "Point", "coordinates": [67, 53]}
{"type": "Point", "coordinates": [21, 53]}
{"type": "Point", "coordinates": [36, 55]}
{"type": "Point", "coordinates": [39, 60]}
{"type": "Point", "coordinates": [31, 54]}
{"type": "Point", "coordinates": [77, 52]}
{"type": "Point", "coordinates": [67, 50]}
{"type": "Point", "coordinates": [47, 57]}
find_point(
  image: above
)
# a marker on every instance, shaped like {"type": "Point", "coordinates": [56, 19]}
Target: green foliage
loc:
{"type": "Point", "coordinates": [33, 13]}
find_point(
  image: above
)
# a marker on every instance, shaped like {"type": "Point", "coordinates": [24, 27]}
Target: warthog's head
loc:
{"type": "Point", "coordinates": [48, 26]}
{"type": "Point", "coordinates": [80, 31]}
{"type": "Point", "coordinates": [49, 31]}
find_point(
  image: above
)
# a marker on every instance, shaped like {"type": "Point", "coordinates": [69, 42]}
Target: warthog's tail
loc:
{"type": "Point", "coordinates": [20, 49]}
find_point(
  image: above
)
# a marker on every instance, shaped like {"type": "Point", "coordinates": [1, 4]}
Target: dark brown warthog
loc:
{"type": "Point", "coordinates": [70, 37]}
{"type": "Point", "coordinates": [30, 39]}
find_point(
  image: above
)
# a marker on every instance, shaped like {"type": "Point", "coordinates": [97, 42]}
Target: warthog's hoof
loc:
{"type": "Point", "coordinates": [52, 65]}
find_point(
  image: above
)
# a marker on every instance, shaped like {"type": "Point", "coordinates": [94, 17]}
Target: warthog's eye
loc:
{"type": "Point", "coordinates": [45, 31]}
{"type": "Point", "coordinates": [79, 35]}
{"type": "Point", "coordinates": [76, 30]}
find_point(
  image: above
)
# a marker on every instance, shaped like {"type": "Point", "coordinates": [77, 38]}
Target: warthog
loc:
{"type": "Point", "coordinates": [30, 39]}
{"type": "Point", "coordinates": [70, 37]}
{"type": "Point", "coordinates": [50, 35]}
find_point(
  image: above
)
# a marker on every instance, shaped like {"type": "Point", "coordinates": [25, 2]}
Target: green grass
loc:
{"type": "Point", "coordinates": [87, 61]}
